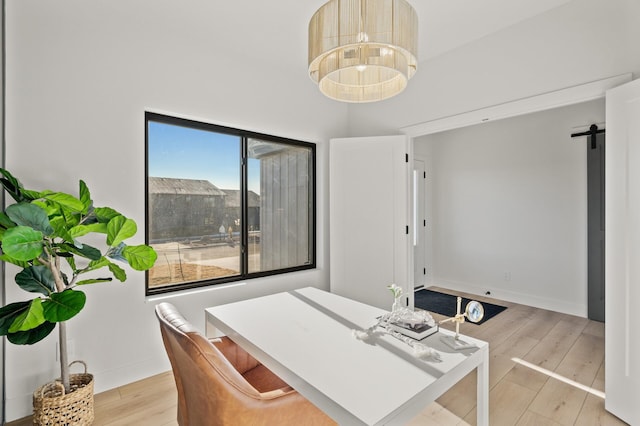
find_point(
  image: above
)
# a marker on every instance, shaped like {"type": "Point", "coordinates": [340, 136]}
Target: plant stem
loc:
{"type": "Point", "coordinates": [54, 266]}
{"type": "Point", "coordinates": [64, 364]}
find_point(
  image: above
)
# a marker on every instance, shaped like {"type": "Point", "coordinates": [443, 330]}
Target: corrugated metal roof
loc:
{"type": "Point", "coordinates": [233, 198]}
{"type": "Point", "coordinates": [161, 185]}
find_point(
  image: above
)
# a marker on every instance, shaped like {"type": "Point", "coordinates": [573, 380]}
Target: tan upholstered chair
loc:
{"type": "Point", "coordinates": [221, 384]}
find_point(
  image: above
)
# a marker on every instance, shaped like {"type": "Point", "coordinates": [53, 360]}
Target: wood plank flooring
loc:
{"type": "Point", "coordinates": [570, 347]}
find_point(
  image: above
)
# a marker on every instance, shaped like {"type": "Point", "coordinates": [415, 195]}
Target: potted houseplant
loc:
{"type": "Point", "coordinates": [41, 233]}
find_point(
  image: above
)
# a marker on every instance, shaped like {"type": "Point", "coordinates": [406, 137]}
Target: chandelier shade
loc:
{"type": "Point", "coordinates": [363, 50]}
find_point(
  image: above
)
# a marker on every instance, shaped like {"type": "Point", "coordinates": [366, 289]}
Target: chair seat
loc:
{"type": "Point", "coordinates": [264, 380]}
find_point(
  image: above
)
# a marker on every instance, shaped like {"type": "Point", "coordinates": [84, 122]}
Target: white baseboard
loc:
{"type": "Point", "coordinates": [565, 307]}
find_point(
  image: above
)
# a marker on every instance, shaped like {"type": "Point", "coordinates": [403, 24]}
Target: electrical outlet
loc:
{"type": "Point", "coordinates": [507, 276]}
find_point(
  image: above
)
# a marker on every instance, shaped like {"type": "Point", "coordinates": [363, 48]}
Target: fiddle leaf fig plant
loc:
{"type": "Point", "coordinates": [41, 233]}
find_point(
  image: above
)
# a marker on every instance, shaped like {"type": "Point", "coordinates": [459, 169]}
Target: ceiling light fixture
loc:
{"type": "Point", "coordinates": [363, 50]}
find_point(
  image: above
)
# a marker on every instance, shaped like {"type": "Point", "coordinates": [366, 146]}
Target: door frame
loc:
{"type": "Point", "coordinates": [421, 224]}
{"type": "Point", "coordinates": [558, 98]}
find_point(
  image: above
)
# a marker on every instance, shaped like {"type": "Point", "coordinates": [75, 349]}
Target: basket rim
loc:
{"type": "Point", "coordinates": [83, 379]}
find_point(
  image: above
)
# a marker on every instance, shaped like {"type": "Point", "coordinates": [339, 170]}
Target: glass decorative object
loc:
{"type": "Point", "coordinates": [407, 317]}
{"type": "Point", "coordinates": [397, 297]}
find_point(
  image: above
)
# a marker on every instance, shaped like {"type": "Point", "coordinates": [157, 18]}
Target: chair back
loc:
{"type": "Point", "coordinates": [209, 387]}
{"type": "Point", "coordinates": [222, 385]}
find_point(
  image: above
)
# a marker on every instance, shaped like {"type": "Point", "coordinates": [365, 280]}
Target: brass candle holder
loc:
{"type": "Point", "coordinates": [474, 312]}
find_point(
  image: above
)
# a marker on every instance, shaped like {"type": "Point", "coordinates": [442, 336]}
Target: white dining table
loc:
{"type": "Point", "coordinates": [308, 338]}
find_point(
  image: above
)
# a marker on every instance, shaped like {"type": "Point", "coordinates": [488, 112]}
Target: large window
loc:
{"type": "Point", "coordinates": [225, 204]}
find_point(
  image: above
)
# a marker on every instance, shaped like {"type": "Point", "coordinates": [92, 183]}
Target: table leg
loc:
{"type": "Point", "coordinates": [210, 330]}
{"type": "Point", "coordinates": [482, 409]}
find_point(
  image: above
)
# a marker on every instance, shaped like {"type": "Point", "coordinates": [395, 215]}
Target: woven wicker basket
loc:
{"type": "Point", "coordinates": [51, 406]}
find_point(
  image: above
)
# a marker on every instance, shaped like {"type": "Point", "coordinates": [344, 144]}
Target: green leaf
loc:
{"type": "Point", "coordinates": [30, 337]}
{"type": "Point", "coordinates": [22, 243]}
{"type": "Point", "coordinates": [50, 208]}
{"type": "Point", "coordinates": [64, 305]}
{"type": "Point", "coordinates": [118, 272]}
{"type": "Point", "coordinates": [61, 229]}
{"type": "Point", "coordinates": [5, 222]}
{"type": "Point", "coordinates": [119, 229]}
{"type": "Point", "coordinates": [72, 263]}
{"type": "Point", "coordinates": [31, 195]}
{"type": "Point", "coordinates": [96, 264]}
{"type": "Point", "coordinates": [89, 252]}
{"type": "Point", "coordinates": [71, 218]}
{"type": "Point", "coordinates": [80, 230]}
{"type": "Point", "coordinates": [20, 263]}
{"type": "Point", "coordinates": [36, 279]}
{"type": "Point", "coordinates": [140, 257]}
{"type": "Point", "coordinates": [105, 214]}
{"type": "Point", "coordinates": [85, 197]}
{"type": "Point", "coordinates": [9, 313]}
{"type": "Point", "coordinates": [68, 202]}
{"type": "Point", "coordinates": [46, 192]}
{"type": "Point", "coordinates": [26, 214]}
{"type": "Point", "coordinates": [12, 185]}
{"type": "Point", "coordinates": [29, 319]}
{"type": "Point", "coordinates": [86, 251]}
{"type": "Point", "coordinates": [94, 281]}
{"type": "Point", "coordinates": [64, 279]}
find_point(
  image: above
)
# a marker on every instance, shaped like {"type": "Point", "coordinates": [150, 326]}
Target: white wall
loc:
{"type": "Point", "coordinates": [2, 279]}
{"type": "Point", "coordinates": [80, 74]}
{"type": "Point", "coordinates": [510, 207]}
{"type": "Point", "coordinates": [580, 42]}
{"type": "Point", "coordinates": [79, 78]}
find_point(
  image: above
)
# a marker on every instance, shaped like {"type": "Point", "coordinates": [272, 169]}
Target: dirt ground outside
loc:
{"type": "Point", "coordinates": [187, 262]}
{"type": "Point", "coordinates": [185, 272]}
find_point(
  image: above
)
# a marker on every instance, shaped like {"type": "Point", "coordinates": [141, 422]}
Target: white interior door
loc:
{"type": "Point", "coordinates": [369, 220]}
{"type": "Point", "coordinates": [622, 253]}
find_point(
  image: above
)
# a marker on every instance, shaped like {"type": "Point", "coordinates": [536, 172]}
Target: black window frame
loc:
{"type": "Point", "coordinates": [244, 136]}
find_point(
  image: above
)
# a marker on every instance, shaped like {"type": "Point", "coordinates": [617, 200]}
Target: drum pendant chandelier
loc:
{"type": "Point", "coordinates": [363, 50]}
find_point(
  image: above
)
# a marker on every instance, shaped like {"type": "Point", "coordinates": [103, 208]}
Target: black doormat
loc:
{"type": "Point", "coordinates": [445, 304]}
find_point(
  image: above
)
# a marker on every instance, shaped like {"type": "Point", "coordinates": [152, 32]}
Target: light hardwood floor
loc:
{"type": "Point", "coordinates": [569, 346]}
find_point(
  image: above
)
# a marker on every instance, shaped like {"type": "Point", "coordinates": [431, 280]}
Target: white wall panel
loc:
{"type": "Point", "coordinates": [622, 246]}
{"type": "Point", "coordinates": [369, 215]}
{"type": "Point", "coordinates": [79, 77]}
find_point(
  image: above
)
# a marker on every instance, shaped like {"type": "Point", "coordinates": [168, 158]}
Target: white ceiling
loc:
{"type": "Point", "coordinates": [447, 24]}
{"type": "Point", "coordinates": [275, 32]}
